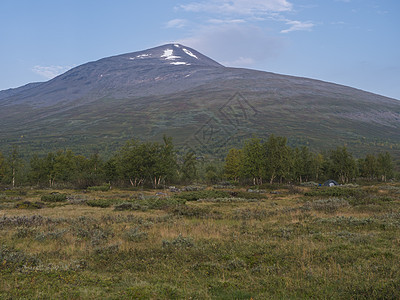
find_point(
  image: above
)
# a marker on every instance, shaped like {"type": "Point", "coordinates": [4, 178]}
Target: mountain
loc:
{"type": "Point", "coordinates": [206, 107]}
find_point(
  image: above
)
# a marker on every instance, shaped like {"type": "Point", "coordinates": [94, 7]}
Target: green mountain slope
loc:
{"type": "Point", "coordinates": [205, 106]}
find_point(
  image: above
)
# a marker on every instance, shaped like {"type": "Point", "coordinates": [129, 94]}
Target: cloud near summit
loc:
{"type": "Point", "coordinates": [240, 33]}
{"type": "Point", "coordinates": [50, 72]}
{"type": "Point", "coordinates": [235, 45]}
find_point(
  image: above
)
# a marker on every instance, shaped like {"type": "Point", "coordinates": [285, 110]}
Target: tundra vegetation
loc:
{"type": "Point", "coordinates": [80, 228]}
{"type": "Point", "coordinates": [271, 242]}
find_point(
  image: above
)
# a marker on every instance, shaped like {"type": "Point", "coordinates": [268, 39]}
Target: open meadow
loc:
{"type": "Point", "coordinates": [276, 242]}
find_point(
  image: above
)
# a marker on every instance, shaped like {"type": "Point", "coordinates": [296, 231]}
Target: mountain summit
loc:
{"type": "Point", "coordinates": [170, 54]}
{"type": "Point", "coordinates": [175, 90]}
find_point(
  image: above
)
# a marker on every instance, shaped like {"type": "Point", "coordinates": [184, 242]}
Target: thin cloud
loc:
{"type": "Point", "coordinates": [239, 7]}
{"type": "Point", "coordinates": [222, 21]}
{"type": "Point", "coordinates": [238, 32]}
{"type": "Point", "coordinates": [249, 11]}
{"type": "Point", "coordinates": [176, 23]}
{"type": "Point", "coordinates": [236, 45]}
{"type": "Point", "coordinates": [242, 62]}
{"type": "Point", "coordinates": [298, 26]}
{"type": "Point", "coordinates": [50, 72]}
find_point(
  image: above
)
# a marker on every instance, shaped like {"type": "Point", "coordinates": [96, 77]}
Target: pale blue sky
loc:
{"type": "Point", "coordinates": [351, 42]}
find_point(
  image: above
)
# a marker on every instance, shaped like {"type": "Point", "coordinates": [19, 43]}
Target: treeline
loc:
{"type": "Point", "coordinates": [155, 164]}
{"type": "Point", "coordinates": [274, 161]}
{"type": "Point", "coordinates": [135, 164]}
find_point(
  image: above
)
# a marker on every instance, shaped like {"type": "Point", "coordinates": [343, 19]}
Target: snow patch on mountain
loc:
{"type": "Point", "coordinates": [169, 55]}
{"type": "Point", "coordinates": [190, 53]}
{"type": "Point", "coordinates": [143, 55]}
{"type": "Point", "coordinates": [177, 63]}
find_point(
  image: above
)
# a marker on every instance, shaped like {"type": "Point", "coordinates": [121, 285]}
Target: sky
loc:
{"type": "Point", "coordinates": [350, 42]}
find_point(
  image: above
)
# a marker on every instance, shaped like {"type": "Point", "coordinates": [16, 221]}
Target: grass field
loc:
{"type": "Point", "coordinates": [277, 243]}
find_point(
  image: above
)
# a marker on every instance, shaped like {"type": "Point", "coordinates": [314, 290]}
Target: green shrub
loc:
{"type": "Point", "coordinates": [124, 206]}
{"type": "Point", "coordinates": [16, 192]}
{"type": "Point", "coordinates": [150, 203]}
{"type": "Point", "coordinates": [336, 192]}
{"type": "Point", "coordinates": [229, 200]}
{"type": "Point", "coordinates": [29, 205]}
{"type": "Point", "coordinates": [99, 188]}
{"type": "Point", "coordinates": [103, 203]}
{"type": "Point", "coordinates": [248, 195]}
{"type": "Point", "coordinates": [192, 188]}
{"type": "Point", "coordinates": [54, 197]}
{"type": "Point", "coordinates": [196, 195]}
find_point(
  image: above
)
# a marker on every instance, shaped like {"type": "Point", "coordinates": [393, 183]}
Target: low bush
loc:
{"type": "Point", "coordinates": [248, 195]}
{"type": "Point", "coordinates": [192, 188]}
{"type": "Point", "coordinates": [124, 206]}
{"type": "Point", "coordinates": [150, 203]}
{"type": "Point", "coordinates": [228, 200]}
{"type": "Point", "coordinates": [29, 205]}
{"type": "Point", "coordinates": [16, 192]}
{"type": "Point", "coordinates": [103, 203]}
{"type": "Point", "coordinates": [54, 197]}
{"type": "Point", "coordinates": [294, 189]}
{"type": "Point", "coordinates": [336, 192]}
{"type": "Point", "coordinates": [77, 199]}
{"type": "Point", "coordinates": [99, 188]}
{"type": "Point", "coordinates": [189, 211]}
{"type": "Point", "coordinates": [258, 191]}
{"type": "Point", "coordinates": [196, 195]}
